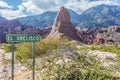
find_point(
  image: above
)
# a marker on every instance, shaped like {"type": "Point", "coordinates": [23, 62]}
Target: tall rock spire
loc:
{"type": "Point", "coordinates": [62, 26]}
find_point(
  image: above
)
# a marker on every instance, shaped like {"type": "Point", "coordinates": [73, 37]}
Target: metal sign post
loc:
{"type": "Point", "coordinates": [33, 62]}
{"type": "Point", "coordinates": [12, 60]}
{"type": "Point", "coordinates": [23, 38]}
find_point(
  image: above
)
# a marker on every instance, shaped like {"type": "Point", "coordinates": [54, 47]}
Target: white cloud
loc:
{"type": "Point", "coordinates": [30, 7]}
{"type": "Point", "coordinates": [7, 11]}
{"type": "Point", "coordinates": [108, 2]}
{"type": "Point", "coordinates": [10, 14]}
{"type": "Point", "coordinates": [21, 8]}
{"type": "Point", "coordinates": [44, 4]}
{"type": "Point", "coordinates": [39, 6]}
{"type": "Point", "coordinates": [82, 5]}
{"type": "Point", "coordinates": [4, 5]}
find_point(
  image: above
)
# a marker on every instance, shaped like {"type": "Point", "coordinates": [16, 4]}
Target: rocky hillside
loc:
{"type": "Point", "coordinates": [94, 17]}
{"type": "Point", "coordinates": [100, 35]}
{"type": "Point", "coordinates": [15, 27]}
{"type": "Point", "coordinates": [46, 19]}
{"type": "Point", "coordinates": [58, 58]}
{"type": "Point", "coordinates": [43, 20]}
{"type": "Point", "coordinates": [112, 35]}
{"type": "Point", "coordinates": [90, 24]}
{"type": "Point", "coordinates": [98, 16]}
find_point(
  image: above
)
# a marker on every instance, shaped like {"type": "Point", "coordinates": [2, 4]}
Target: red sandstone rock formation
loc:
{"type": "Point", "coordinates": [62, 26]}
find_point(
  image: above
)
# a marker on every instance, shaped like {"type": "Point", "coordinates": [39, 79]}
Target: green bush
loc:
{"type": "Point", "coordinates": [8, 47]}
{"type": "Point", "coordinates": [81, 66]}
{"type": "Point", "coordinates": [85, 67]}
{"type": "Point", "coordinates": [24, 50]}
{"type": "Point", "coordinates": [107, 48]}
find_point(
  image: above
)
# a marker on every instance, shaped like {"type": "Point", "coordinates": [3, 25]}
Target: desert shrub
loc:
{"type": "Point", "coordinates": [84, 67]}
{"type": "Point", "coordinates": [24, 50]}
{"type": "Point", "coordinates": [52, 64]}
{"type": "Point", "coordinates": [8, 47]}
{"type": "Point", "coordinates": [107, 48]}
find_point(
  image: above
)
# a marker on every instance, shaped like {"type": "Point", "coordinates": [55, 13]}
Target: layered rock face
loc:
{"type": "Point", "coordinates": [112, 35]}
{"type": "Point", "coordinates": [101, 35]}
{"type": "Point", "coordinates": [62, 26]}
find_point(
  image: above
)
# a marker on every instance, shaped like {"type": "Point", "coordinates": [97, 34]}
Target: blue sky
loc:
{"type": "Point", "coordinates": [14, 3]}
{"type": "Point", "coordinates": [11, 9]}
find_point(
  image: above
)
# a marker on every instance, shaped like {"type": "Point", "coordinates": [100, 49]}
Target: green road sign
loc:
{"type": "Point", "coordinates": [22, 37]}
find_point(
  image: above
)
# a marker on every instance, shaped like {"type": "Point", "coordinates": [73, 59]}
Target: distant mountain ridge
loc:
{"type": "Point", "coordinates": [97, 19]}
{"type": "Point", "coordinates": [100, 16]}
{"type": "Point", "coordinates": [46, 19]}
{"type": "Point", "coordinates": [10, 24]}
{"type": "Point", "coordinates": [94, 17]}
{"type": "Point", "coordinates": [2, 19]}
{"type": "Point", "coordinates": [42, 20]}
{"type": "Point", "coordinates": [15, 27]}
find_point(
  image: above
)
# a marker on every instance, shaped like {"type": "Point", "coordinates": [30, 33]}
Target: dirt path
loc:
{"type": "Point", "coordinates": [4, 75]}
{"type": "Point", "coordinates": [1, 51]}
{"type": "Point", "coordinates": [18, 68]}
